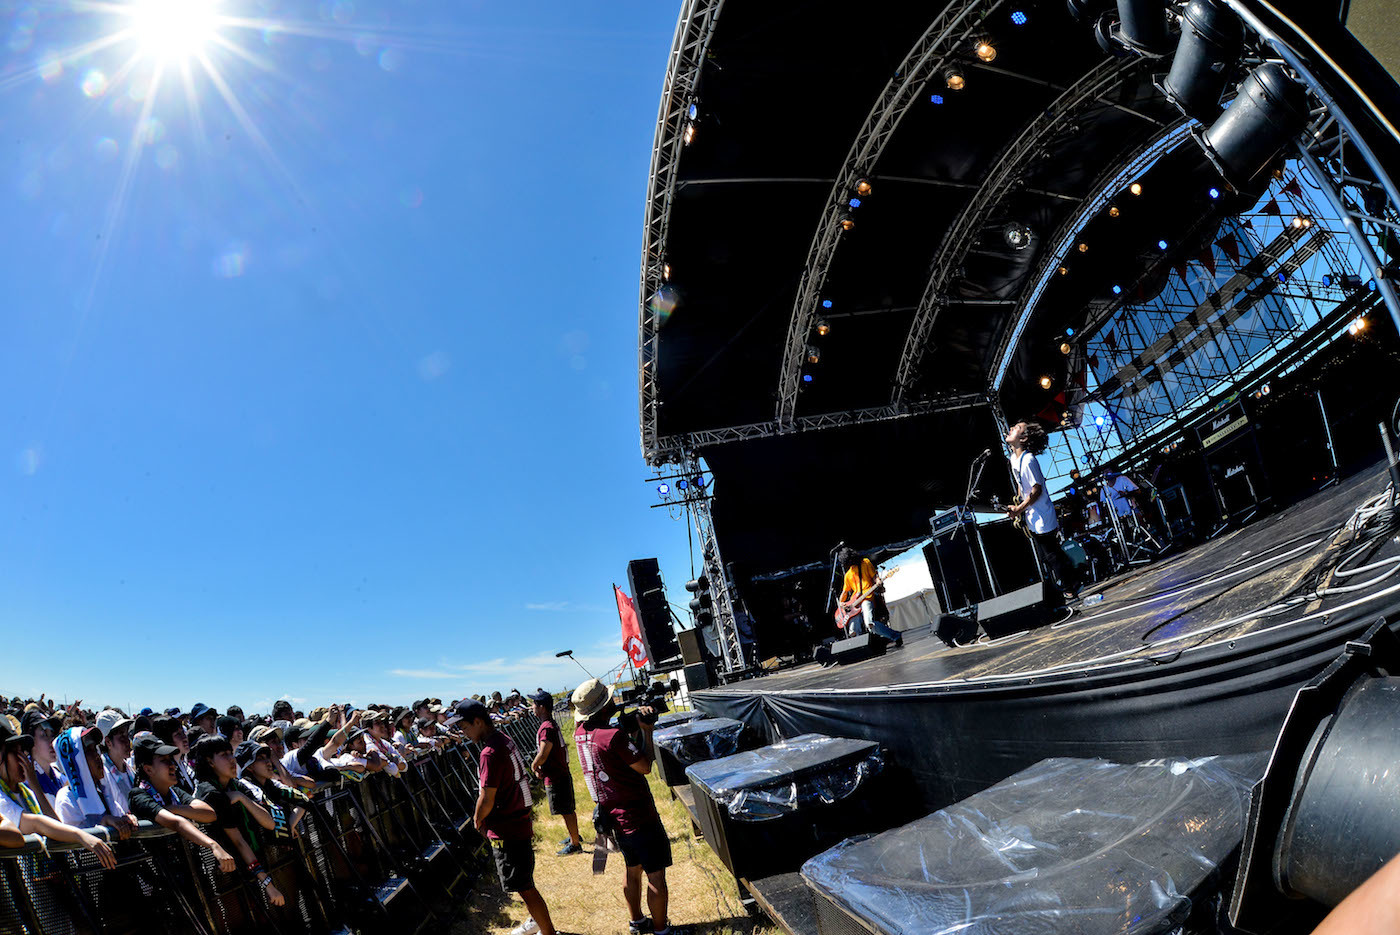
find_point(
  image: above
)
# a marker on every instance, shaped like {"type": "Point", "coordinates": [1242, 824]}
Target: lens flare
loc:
{"type": "Point", "coordinates": [173, 29]}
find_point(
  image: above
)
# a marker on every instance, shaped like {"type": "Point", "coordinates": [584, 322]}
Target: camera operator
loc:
{"type": "Point", "coordinates": [615, 767]}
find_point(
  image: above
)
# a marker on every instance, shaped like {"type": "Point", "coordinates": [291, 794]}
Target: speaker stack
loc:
{"type": "Point", "coordinates": [649, 594]}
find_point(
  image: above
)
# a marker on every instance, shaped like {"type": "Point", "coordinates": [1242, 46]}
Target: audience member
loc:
{"type": "Point", "coordinates": [44, 728]}
{"type": "Point", "coordinates": [86, 800]}
{"type": "Point", "coordinates": [116, 752]}
{"type": "Point", "coordinates": [20, 808]}
{"type": "Point", "coordinates": [157, 797]}
{"type": "Point", "coordinates": [551, 763]}
{"type": "Point", "coordinates": [217, 772]}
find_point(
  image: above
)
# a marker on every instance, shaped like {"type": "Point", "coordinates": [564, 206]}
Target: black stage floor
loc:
{"type": "Point", "coordinates": [1194, 654]}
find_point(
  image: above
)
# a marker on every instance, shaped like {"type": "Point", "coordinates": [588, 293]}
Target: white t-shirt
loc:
{"type": "Point", "coordinates": [1113, 493]}
{"type": "Point", "coordinates": [1040, 515]}
{"type": "Point", "coordinates": [10, 810]}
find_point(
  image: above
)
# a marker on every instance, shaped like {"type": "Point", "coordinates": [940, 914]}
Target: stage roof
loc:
{"type": "Point", "coordinates": [770, 116]}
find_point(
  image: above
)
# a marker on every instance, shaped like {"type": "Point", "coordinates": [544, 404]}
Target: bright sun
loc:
{"type": "Point", "coordinates": [173, 29]}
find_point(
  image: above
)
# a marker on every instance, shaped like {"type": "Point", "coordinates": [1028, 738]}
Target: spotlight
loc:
{"type": "Point", "coordinates": [806, 378]}
{"type": "Point", "coordinates": [814, 354]}
{"type": "Point", "coordinates": [1113, 211]}
{"type": "Point", "coordinates": [689, 134]}
{"type": "Point", "coordinates": [666, 272]}
{"type": "Point", "coordinates": [681, 484]}
{"type": "Point", "coordinates": [985, 50]}
{"type": "Point", "coordinates": [1361, 323]}
{"type": "Point", "coordinates": [1065, 347]}
{"type": "Point", "coordinates": [1117, 289]}
{"type": "Point", "coordinates": [1019, 17]}
{"type": "Point", "coordinates": [1327, 280]}
{"type": "Point", "coordinates": [1213, 192]}
{"type": "Point", "coordinates": [1142, 25]}
{"type": "Point", "coordinates": [954, 78]}
{"type": "Point", "coordinates": [826, 303]}
{"type": "Point", "coordinates": [1069, 332]}
{"type": "Point", "coordinates": [1099, 420]}
{"type": "Point", "coordinates": [700, 480]}
{"type": "Point", "coordinates": [854, 202]}
{"type": "Point", "coordinates": [1210, 42]}
{"type": "Point", "coordinates": [1264, 389]}
{"type": "Point", "coordinates": [1064, 270]}
{"type": "Point", "coordinates": [692, 111]}
{"type": "Point", "coordinates": [1135, 188]}
{"type": "Point", "coordinates": [937, 99]}
{"type": "Point", "coordinates": [1282, 276]}
{"type": "Point", "coordinates": [1269, 111]}
{"type": "Point", "coordinates": [663, 489]}
{"type": "Point", "coordinates": [1045, 383]}
{"type": "Point", "coordinates": [862, 187]}
{"type": "Point", "coordinates": [1349, 281]}
{"type": "Point", "coordinates": [1162, 245]}
{"type": "Point", "coordinates": [1083, 247]}
{"type": "Point", "coordinates": [847, 223]}
{"type": "Point", "coordinates": [1301, 222]}
{"type": "Point", "coordinates": [1016, 235]}
{"type": "Point", "coordinates": [823, 327]}
{"type": "Point", "coordinates": [1370, 285]}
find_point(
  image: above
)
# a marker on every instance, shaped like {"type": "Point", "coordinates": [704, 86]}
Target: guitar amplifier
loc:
{"type": "Point", "coordinates": [768, 810]}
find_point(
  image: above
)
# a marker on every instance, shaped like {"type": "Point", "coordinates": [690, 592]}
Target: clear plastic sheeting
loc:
{"type": "Point", "coordinates": [779, 779]}
{"type": "Point", "coordinates": [1067, 845]}
{"type": "Point", "coordinates": [678, 717]}
{"type": "Point", "coordinates": [701, 739]}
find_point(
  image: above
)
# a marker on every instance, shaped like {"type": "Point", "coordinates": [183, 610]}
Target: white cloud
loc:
{"type": "Point", "coordinates": [554, 606]}
{"type": "Point", "coordinates": [548, 605]}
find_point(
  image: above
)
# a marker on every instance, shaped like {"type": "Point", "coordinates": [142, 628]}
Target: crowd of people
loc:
{"type": "Point", "coordinates": [231, 783]}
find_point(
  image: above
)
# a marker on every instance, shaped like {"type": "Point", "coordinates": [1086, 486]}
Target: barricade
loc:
{"type": "Point", "coordinates": [369, 854]}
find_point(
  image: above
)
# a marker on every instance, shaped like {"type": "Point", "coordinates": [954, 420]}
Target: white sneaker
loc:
{"type": "Point", "coordinates": [528, 927]}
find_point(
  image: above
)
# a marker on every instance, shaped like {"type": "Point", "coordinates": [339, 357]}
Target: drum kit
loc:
{"type": "Point", "coordinates": [1105, 531]}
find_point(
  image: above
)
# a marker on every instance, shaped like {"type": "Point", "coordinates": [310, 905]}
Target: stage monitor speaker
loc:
{"type": "Point", "coordinates": [692, 643]}
{"type": "Point", "coordinates": [1016, 611]}
{"type": "Point", "coordinates": [644, 577]}
{"type": "Point", "coordinates": [959, 629]}
{"type": "Point", "coordinates": [856, 648]}
{"type": "Point", "coordinates": [697, 676]}
{"type": "Point", "coordinates": [953, 569]}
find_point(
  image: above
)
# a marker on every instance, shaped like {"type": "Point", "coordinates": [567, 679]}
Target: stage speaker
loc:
{"type": "Point", "coordinates": [1016, 611]}
{"type": "Point", "coordinates": [958, 629]}
{"type": "Point", "coordinates": [692, 643]}
{"type": "Point", "coordinates": [856, 648]}
{"type": "Point", "coordinates": [697, 676]}
{"type": "Point", "coordinates": [644, 577]}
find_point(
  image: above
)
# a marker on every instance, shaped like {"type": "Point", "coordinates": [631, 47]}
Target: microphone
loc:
{"type": "Point", "coordinates": [986, 453]}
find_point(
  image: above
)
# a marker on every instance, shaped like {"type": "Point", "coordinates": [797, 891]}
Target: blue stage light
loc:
{"type": "Point", "coordinates": [854, 202]}
{"type": "Point", "coordinates": [1326, 279]}
{"type": "Point", "coordinates": [937, 99]}
{"type": "Point", "coordinates": [1214, 193]}
{"type": "Point", "coordinates": [1371, 285]}
{"type": "Point", "coordinates": [1117, 289]}
{"type": "Point", "coordinates": [806, 378]}
{"type": "Point", "coordinates": [1282, 276]}
{"type": "Point", "coordinates": [826, 303]}
{"type": "Point", "coordinates": [1018, 17]}
{"type": "Point", "coordinates": [699, 480]}
{"type": "Point", "coordinates": [1098, 420]}
{"type": "Point", "coordinates": [1069, 332]}
{"type": "Point", "coordinates": [663, 489]}
{"type": "Point", "coordinates": [1162, 245]}
{"type": "Point", "coordinates": [681, 484]}
{"type": "Point", "coordinates": [693, 111]}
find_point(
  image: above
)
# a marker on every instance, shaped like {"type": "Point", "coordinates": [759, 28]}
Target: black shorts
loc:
{"type": "Point", "coordinates": [647, 846]}
{"type": "Point", "coordinates": [561, 797]}
{"type": "Point", "coordinates": [515, 864]}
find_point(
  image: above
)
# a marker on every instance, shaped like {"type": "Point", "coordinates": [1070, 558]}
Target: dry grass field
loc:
{"type": "Point", "coordinates": [703, 894]}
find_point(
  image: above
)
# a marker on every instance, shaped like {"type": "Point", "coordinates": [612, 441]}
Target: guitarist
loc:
{"type": "Point", "coordinates": [1034, 512]}
{"type": "Point", "coordinates": [861, 588]}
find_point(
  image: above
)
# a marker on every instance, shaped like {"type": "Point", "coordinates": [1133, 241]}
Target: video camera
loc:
{"type": "Point", "coordinates": [648, 695]}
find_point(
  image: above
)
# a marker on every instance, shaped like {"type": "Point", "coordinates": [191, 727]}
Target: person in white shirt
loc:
{"type": "Point", "coordinates": [1115, 489]}
{"type": "Point", "coordinates": [1034, 509]}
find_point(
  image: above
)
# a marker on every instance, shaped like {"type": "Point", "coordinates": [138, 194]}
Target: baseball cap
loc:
{"type": "Point", "coordinates": [146, 746]}
{"type": "Point", "coordinates": [33, 719]}
{"type": "Point", "coordinates": [202, 710]}
{"type": "Point", "coordinates": [8, 735]}
{"type": "Point", "coordinates": [262, 733]}
{"type": "Point", "coordinates": [542, 696]}
{"type": "Point", "coordinates": [247, 752]}
{"type": "Point", "coordinates": [110, 721]}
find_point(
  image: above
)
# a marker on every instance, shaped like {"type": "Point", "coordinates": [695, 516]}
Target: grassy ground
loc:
{"type": "Point", "coordinates": [703, 893]}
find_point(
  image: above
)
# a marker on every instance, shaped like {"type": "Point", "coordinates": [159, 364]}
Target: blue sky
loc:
{"type": "Point", "coordinates": [323, 386]}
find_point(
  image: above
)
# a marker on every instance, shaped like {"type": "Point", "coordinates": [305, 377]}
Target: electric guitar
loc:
{"type": "Point", "coordinates": [844, 612]}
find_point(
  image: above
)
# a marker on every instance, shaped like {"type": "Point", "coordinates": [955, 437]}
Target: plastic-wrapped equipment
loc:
{"type": "Point", "coordinates": [779, 779]}
{"type": "Point", "coordinates": [671, 719]}
{"type": "Point", "coordinates": [1067, 845]}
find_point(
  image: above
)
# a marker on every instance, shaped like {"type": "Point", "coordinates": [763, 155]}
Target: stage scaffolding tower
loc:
{"type": "Point", "coordinates": [698, 505]}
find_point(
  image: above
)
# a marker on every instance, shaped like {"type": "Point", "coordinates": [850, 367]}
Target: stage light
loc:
{"type": "Point", "coordinates": [700, 481]}
{"type": "Point", "coordinates": [1083, 247]}
{"type": "Point", "coordinates": [1016, 235]}
{"type": "Point", "coordinates": [1162, 245]}
{"type": "Point", "coordinates": [1019, 17]}
{"type": "Point", "coordinates": [663, 489]}
{"type": "Point", "coordinates": [689, 134]}
{"type": "Point", "coordinates": [1370, 285]}
{"type": "Point", "coordinates": [1270, 111]}
{"type": "Point", "coordinates": [1361, 323]}
{"type": "Point", "coordinates": [1113, 211]}
{"type": "Point", "coordinates": [954, 78]}
{"type": "Point", "coordinates": [1064, 270]}
{"type": "Point", "coordinates": [1264, 389]}
{"type": "Point", "coordinates": [681, 484]}
{"type": "Point", "coordinates": [1209, 46]}
{"type": "Point", "coordinates": [806, 378]}
{"type": "Point", "coordinates": [692, 111]}
{"type": "Point", "coordinates": [1135, 188]}
{"type": "Point", "coordinates": [1069, 332]}
{"type": "Point", "coordinates": [936, 98]}
{"type": "Point", "coordinates": [1142, 25]}
{"type": "Point", "coordinates": [826, 303]}
{"type": "Point", "coordinates": [863, 187]}
{"type": "Point", "coordinates": [1301, 222]}
{"type": "Point", "coordinates": [1099, 420]}
{"type": "Point", "coordinates": [1117, 289]}
{"type": "Point", "coordinates": [1327, 280]}
{"type": "Point", "coordinates": [1065, 347]}
{"type": "Point", "coordinates": [1046, 383]}
{"type": "Point", "coordinates": [1214, 193]}
{"type": "Point", "coordinates": [847, 223]}
{"type": "Point", "coordinates": [1282, 276]}
{"type": "Point", "coordinates": [854, 202]}
{"type": "Point", "coordinates": [986, 51]}
{"type": "Point", "coordinates": [814, 354]}
{"type": "Point", "coordinates": [666, 272]}
{"type": "Point", "coordinates": [1351, 329]}
{"type": "Point", "coordinates": [823, 327]}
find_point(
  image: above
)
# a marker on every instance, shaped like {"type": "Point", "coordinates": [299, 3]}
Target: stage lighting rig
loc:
{"type": "Point", "coordinates": [1135, 189]}
{"type": "Point", "coordinates": [985, 51]}
{"type": "Point", "coordinates": [814, 354]}
{"type": "Point", "coordinates": [954, 78]}
{"type": "Point", "coordinates": [1270, 110]}
{"type": "Point", "coordinates": [823, 327]}
{"type": "Point", "coordinates": [1209, 48]}
{"type": "Point", "coordinates": [1139, 27]}
{"type": "Point", "coordinates": [863, 188]}
{"type": "Point", "coordinates": [1016, 235]}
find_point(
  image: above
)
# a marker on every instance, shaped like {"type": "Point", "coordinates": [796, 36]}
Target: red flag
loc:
{"type": "Point", "coordinates": [631, 629]}
{"type": "Point", "coordinates": [1207, 259]}
{"type": "Point", "coordinates": [1180, 265]}
{"type": "Point", "coordinates": [1271, 208]}
{"type": "Point", "coordinates": [1293, 188]}
{"type": "Point", "coordinates": [1231, 248]}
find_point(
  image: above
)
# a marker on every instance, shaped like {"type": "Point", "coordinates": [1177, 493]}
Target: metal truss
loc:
{"type": "Point", "coordinates": [1005, 176]}
{"type": "Point", "coordinates": [675, 449]}
{"type": "Point", "coordinates": [956, 27]}
{"type": "Point", "coordinates": [694, 29]}
{"type": "Point", "coordinates": [727, 628]}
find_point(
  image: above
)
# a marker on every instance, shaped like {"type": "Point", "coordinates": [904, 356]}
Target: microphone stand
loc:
{"type": "Point", "coordinates": [974, 478]}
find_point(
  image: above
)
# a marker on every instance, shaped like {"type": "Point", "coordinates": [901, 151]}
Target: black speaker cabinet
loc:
{"type": "Point", "coordinates": [856, 648]}
{"type": "Point", "coordinates": [692, 644]}
{"type": "Point", "coordinates": [644, 577]}
{"type": "Point", "coordinates": [697, 677]}
{"type": "Point", "coordinates": [1022, 609]}
{"type": "Point", "coordinates": [696, 741]}
{"type": "Point", "coordinates": [768, 810]}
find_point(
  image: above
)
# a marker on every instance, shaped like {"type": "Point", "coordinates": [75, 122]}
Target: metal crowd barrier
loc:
{"type": "Point", "coordinates": [370, 855]}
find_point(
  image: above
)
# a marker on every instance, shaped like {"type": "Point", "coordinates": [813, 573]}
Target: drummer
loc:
{"type": "Point", "coordinates": [1119, 492]}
